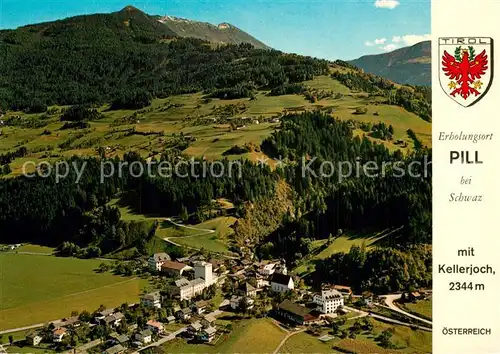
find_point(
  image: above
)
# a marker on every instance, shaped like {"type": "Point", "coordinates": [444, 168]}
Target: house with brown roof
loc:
{"type": "Point", "coordinates": [344, 290]}
{"type": "Point", "coordinates": [155, 326]}
{"type": "Point", "coordinates": [58, 334]}
{"type": "Point", "coordinates": [174, 268]}
{"type": "Point", "coordinates": [200, 306]}
{"type": "Point", "coordinates": [295, 312]}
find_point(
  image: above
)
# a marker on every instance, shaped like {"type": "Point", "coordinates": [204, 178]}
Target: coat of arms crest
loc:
{"type": "Point", "coordinates": [466, 68]}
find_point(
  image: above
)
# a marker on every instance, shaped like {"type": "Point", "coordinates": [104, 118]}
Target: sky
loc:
{"type": "Point", "coordinates": [329, 29]}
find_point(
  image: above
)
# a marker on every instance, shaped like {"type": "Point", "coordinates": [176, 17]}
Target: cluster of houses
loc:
{"type": "Point", "coordinates": [108, 317]}
{"type": "Point", "coordinates": [203, 330]}
{"type": "Point", "coordinates": [324, 303]}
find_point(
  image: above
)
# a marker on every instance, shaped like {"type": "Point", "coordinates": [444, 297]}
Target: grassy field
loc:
{"type": "Point", "coordinates": [189, 236]}
{"type": "Point", "coordinates": [405, 340]}
{"type": "Point", "coordinates": [213, 242]}
{"type": "Point", "coordinates": [423, 307]}
{"type": "Point", "coordinates": [19, 347]}
{"type": "Point", "coordinates": [340, 244]}
{"type": "Point", "coordinates": [57, 286]}
{"type": "Point", "coordinates": [35, 249]}
{"type": "Point", "coordinates": [247, 336]}
{"type": "Point", "coordinates": [194, 116]}
{"type": "Point", "coordinates": [305, 343]}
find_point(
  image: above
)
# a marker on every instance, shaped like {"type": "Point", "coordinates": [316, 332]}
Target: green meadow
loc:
{"type": "Point", "coordinates": [40, 288]}
{"type": "Point", "coordinates": [197, 117]}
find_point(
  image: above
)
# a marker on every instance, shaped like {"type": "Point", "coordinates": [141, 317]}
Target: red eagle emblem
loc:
{"type": "Point", "coordinates": [466, 69]}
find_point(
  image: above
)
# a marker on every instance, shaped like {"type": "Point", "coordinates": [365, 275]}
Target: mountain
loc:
{"type": "Point", "coordinates": [222, 33]}
{"type": "Point", "coordinates": [409, 65]}
{"type": "Point", "coordinates": [128, 56]}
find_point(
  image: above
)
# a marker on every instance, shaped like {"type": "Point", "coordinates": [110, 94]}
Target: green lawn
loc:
{"type": "Point", "coordinates": [19, 347]}
{"type": "Point", "coordinates": [340, 244]}
{"type": "Point", "coordinates": [35, 249]}
{"type": "Point", "coordinates": [305, 343]}
{"type": "Point", "coordinates": [247, 336]}
{"type": "Point", "coordinates": [36, 289]}
{"type": "Point", "coordinates": [213, 242]}
{"type": "Point", "coordinates": [423, 307]}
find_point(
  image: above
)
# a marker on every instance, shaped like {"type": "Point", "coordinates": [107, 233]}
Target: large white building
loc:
{"type": "Point", "coordinates": [203, 270]}
{"type": "Point", "coordinates": [329, 300]}
{"type": "Point", "coordinates": [187, 289]}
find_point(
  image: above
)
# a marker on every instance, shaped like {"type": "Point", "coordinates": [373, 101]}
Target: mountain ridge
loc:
{"type": "Point", "coordinates": [224, 32]}
{"type": "Point", "coordinates": [409, 65]}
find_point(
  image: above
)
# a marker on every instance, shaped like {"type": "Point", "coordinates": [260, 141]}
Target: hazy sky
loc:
{"type": "Point", "coordinates": [330, 29]}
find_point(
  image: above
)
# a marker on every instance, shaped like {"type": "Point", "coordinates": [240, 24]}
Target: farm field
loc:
{"type": "Point", "coordinates": [206, 122]}
{"type": "Point", "coordinates": [58, 286]}
{"type": "Point", "coordinates": [247, 336]}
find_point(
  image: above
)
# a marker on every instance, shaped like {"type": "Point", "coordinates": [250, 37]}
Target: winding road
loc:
{"type": "Point", "coordinates": [390, 320]}
{"type": "Point", "coordinates": [202, 233]}
{"type": "Point", "coordinates": [389, 301]}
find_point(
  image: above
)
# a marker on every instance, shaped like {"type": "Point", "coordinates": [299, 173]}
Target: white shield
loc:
{"type": "Point", "coordinates": [466, 68]}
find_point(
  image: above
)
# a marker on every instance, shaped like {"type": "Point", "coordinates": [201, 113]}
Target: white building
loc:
{"type": "Point", "coordinates": [329, 300]}
{"type": "Point", "coordinates": [187, 289]}
{"type": "Point", "coordinates": [281, 283]}
{"type": "Point", "coordinates": [151, 300]}
{"type": "Point", "coordinates": [236, 302]}
{"type": "Point", "coordinates": [156, 261]}
{"type": "Point", "coordinates": [204, 277]}
{"type": "Point", "coordinates": [204, 270]}
{"type": "Point", "coordinates": [268, 269]}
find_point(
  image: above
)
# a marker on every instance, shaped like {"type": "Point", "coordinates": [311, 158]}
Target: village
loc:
{"type": "Point", "coordinates": [195, 291]}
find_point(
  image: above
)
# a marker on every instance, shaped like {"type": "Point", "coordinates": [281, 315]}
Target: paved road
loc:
{"type": "Point", "coordinates": [38, 325]}
{"type": "Point", "coordinates": [387, 319]}
{"type": "Point", "coordinates": [389, 301]}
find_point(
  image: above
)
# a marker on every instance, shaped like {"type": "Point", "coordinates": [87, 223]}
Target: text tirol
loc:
{"type": "Point", "coordinates": [465, 157]}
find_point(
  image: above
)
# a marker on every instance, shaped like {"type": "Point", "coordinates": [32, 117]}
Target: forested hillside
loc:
{"type": "Point", "coordinates": [123, 87]}
{"type": "Point", "coordinates": [102, 58]}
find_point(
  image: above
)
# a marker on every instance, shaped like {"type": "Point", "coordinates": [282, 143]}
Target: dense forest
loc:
{"type": "Point", "coordinates": [128, 57]}
{"type": "Point", "coordinates": [387, 198]}
{"type": "Point", "coordinates": [50, 212]}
